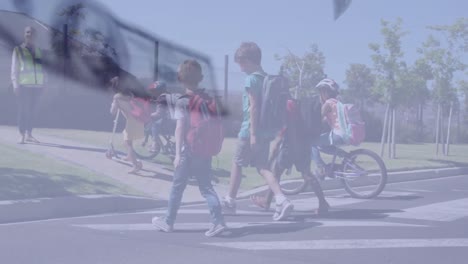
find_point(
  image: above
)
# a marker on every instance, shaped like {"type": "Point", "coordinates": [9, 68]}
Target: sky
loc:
{"type": "Point", "coordinates": [217, 27]}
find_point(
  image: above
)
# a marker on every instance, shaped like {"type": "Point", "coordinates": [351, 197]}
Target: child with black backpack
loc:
{"type": "Point", "coordinates": [199, 137]}
{"type": "Point", "coordinates": [254, 138]}
{"type": "Point", "coordinates": [292, 147]}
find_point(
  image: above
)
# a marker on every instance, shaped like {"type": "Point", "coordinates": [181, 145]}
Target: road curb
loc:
{"type": "Point", "coordinates": [393, 177]}
{"type": "Point", "coordinates": [73, 206]}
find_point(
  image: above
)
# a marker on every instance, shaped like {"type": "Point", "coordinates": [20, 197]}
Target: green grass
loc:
{"type": "Point", "coordinates": [409, 156]}
{"type": "Point", "coordinates": [25, 175]}
{"type": "Point", "coordinates": [97, 139]}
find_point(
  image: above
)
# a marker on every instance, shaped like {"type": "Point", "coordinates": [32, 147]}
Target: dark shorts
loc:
{"type": "Point", "coordinates": [298, 155]}
{"type": "Point", "coordinates": [245, 156]}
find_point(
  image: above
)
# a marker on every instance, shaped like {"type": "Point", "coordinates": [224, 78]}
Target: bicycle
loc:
{"type": "Point", "coordinates": [144, 148]}
{"type": "Point", "coordinates": [357, 171]}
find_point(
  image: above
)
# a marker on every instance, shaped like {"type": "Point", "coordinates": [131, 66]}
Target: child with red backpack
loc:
{"type": "Point", "coordinates": [199, 137]}
{"type": "Point", "coordinates": [124, 101]}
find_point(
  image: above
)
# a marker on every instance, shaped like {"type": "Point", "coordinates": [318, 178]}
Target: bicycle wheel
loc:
{"type": "Point", "coordinates": [364, 174]}
{"type": "Point", "coordinates": [288, 187]}
{"type": "Point", "coordinates": [144, 147]}
{"type": "Point", "coordinates": [293, 187]}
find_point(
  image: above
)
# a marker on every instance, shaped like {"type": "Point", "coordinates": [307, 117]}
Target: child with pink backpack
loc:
{"type": "Point", "coordinates": [344, 121]}
{"type": "Point", "coordinates": [135, 116]}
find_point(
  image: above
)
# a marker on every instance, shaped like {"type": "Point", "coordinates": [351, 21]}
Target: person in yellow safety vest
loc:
{"type": "Point", "coordinates": [28, 79]}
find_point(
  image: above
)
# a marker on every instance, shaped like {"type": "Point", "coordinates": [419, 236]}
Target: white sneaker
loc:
{"type": "Point", "coordinates": [283, 210]}
{"type": "Point", "coordinates": [229, 207]}
{"type": "Point", "coordinates": [215, 230]}
{"type": "Point", "coordinates": [161, 224]}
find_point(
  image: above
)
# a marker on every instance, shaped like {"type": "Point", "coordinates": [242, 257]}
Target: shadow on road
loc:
{"type": "Point", "coordinates": [273, 229]}
{"type": "Point", "coordinates": [99, 150]}
{"type": "Point", "coordinates": [345, 214]}
{"type": "Point", "coordinates": [399, 198]}
{"type": "Point", "coordinates": [450, 163]}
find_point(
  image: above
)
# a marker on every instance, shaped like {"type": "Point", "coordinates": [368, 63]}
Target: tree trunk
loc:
{"type": "Point", "coordinates": [393, 133]}
{"type": "Point", "coordinates": [66, 59]}
{"type": "Point", "coordinates": [384, 132]}
{"type": "Point", "coordinates": [442, 131]}
{"type": "Point", "coordinates": [437, 129]}
{"type": "Point", "coordinates": [421, 122]}
{"type": "Point", "coordinates": [299, 87]}
{"type": "Point", "coordinates": [389, 135]}
{"type": "Point", "coordinates": [447, 145]}
{"type": "Point", "coordinates": [458, 126]}
{"type": "Point", "coordinates": [226, 79]}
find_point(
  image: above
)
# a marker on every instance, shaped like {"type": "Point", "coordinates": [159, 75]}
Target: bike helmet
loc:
{"type": "Point", "coordinates": [329, 86]}
{"type": "Point", "coordinates": [157, 86]}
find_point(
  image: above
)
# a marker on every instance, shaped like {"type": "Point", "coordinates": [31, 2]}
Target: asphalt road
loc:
{"type": "Point", "coordinates": [422, 221]}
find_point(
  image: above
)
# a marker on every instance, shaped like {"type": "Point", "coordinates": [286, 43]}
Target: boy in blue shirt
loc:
{"type": "Point", "coordinates": [253, 145]}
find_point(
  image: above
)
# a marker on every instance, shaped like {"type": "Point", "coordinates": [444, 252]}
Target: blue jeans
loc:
{"type": "Point", "coordinates": [201, 169]}
{"type": "Point", "coordinates": [323, 141]}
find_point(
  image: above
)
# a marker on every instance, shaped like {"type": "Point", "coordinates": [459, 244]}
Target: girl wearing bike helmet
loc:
{"type": "Point", "coordinates": [328, 90]}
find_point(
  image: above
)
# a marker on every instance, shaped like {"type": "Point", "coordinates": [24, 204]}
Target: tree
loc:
{"type": "Point", "coordinates": [304, 72]}
{"type": "Point", "coordinates": [73, 16]}
{"type": "Point", "coordinates": [462, 87]}
{"type": "Point", "coordinates": [82, 47]}
{"type": "Point", "coordinates": [360, 80]}
{"type": "Point", "coordinates": [87, 41]}
{"type": "Point", "coordinates": [422, 73]}
{"type": "Point", "coordinates": [388, 65]}
{"type": "Point", "coordinates": [413, 82]}
{"type": "Point", "coordinates": [444, 54]}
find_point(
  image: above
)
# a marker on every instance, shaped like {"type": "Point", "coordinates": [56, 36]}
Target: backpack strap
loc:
{"type": "Point", "coordinates": [262, 74]}
{"type": "Point", "coordinates": [171, 103]}
{"type": "Point", "coordinates": [341, 115]}
{"type": "Point", "coordinates": [265, 76]}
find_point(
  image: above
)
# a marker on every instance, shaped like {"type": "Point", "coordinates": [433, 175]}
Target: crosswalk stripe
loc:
{"type": "Point", "coordinates": [418, 190]}
{"type": "Point", "coordinates": [459, 190]}
{"type": "Point", "coordinates": [236, 225]}
{"type": "Point", "coordinates": [444, 211]}
{"type": "Point", "coordinates": [305, 204]}
{"type": "Point", "coordinates": [205, 211]}
{"type": "Point", "coordinates": [344, 244]}
{"type": "Point", "coordinates": [397, 193]}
